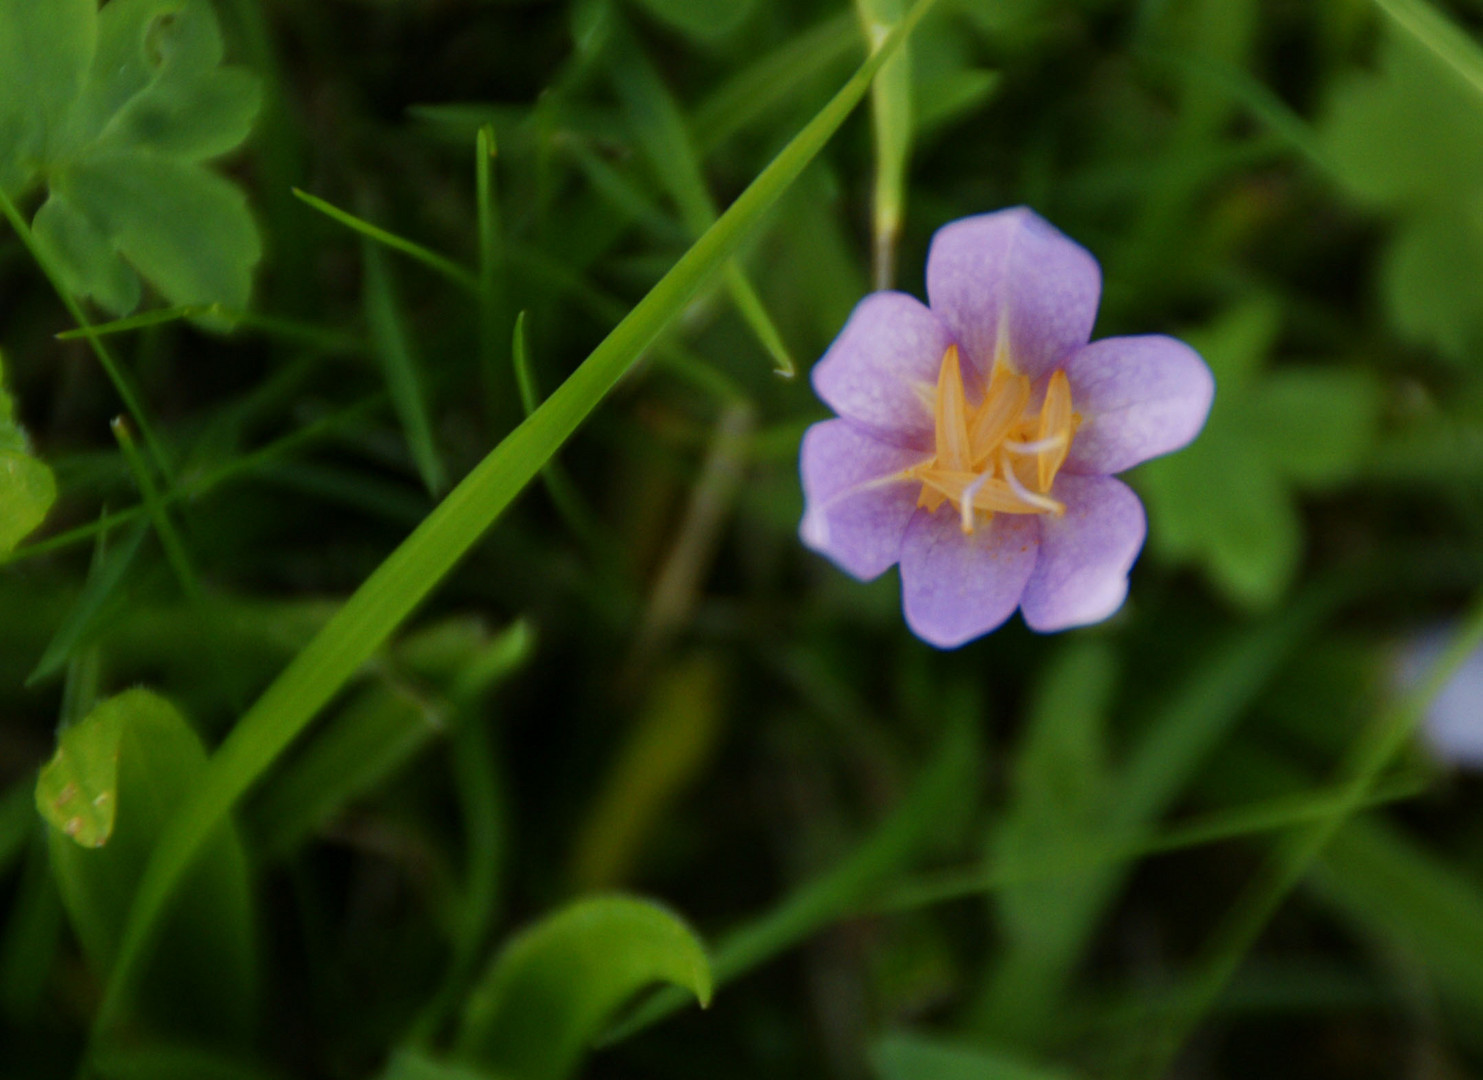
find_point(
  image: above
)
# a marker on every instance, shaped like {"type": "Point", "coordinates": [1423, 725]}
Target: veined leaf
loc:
{"type": "Point", "coordinates": [114, 111]}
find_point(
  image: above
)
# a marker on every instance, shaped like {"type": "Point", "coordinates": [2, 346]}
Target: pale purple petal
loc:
{"type": "Point", "coordinates": [881, 371]}
{"type": "Point", "coordinates": [1453, 726]}
{"type": "Point", "coordinates": [1015, 274]}
{"type": "Point", "coordinates": [1081, 576]}
{"type": "Point", "coordinates": [956, 586]}
{"type": "Point", "coordinates": [1138, 397]}
{"type": "Point", "coordinates": [853, 512]}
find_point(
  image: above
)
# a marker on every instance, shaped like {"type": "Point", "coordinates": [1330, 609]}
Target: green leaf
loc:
{"type": "Point", "coordinates": [44, 53]}
{"type": "Point", "coordinates": [77, 791]}
{"type": "Point", "coordinates": [900, 1056]}
{"type": "Point", "coordinates": [1221, 503]}
{"type": "Point", "coordinates": [553, 988]}
{"type": "Point", "coordinates": [27, 486]}
{"type": "Point", "coordinates": [1225, 502]}
{"type": "Point", "coordinates": [186, 230]}
{"type": "Point", "coordinates": [156, 83]}
{"type": "Point", "coordinates": [1409, 139]}
{"type": "Point", "coordinates": [84, 256]}
{"type": "Point", "coordinates": [116, 780]}
{"type": "Point", "coordinates": [1315, 423]}
{"type": "Point", "coordinates": [121, 147]}
{"type": "Point", "coordinates": [1428, 273]}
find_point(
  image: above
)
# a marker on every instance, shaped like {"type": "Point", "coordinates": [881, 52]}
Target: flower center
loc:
{"type": "Point", "coordinates": [995, 454]}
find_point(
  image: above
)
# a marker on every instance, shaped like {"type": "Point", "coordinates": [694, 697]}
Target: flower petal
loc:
{"type": "Point", "coordinates": [881, 371]}
{"type": "Point", "coordinates": [1012, 274]}
{"type": "Point", "coordinates": [1081, 575]}
{"type": "Point", "coordinates": [854, 512]}
{"type": "Point", "coordinates": [1138, 397]}
{"type": "Point", "coordinates": [956, 586]}
{"type": "Point", "coordinates": [1453, 726]}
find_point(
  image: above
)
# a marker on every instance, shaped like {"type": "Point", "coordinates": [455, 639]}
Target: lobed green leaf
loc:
{"type": "Point", "coordinates": [134, 98]}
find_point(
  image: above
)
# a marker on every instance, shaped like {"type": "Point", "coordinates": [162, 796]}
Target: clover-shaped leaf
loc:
{"type": "Point", "coordinates": [1407, 140]}
{"type": "Point", "coordinates": [1228, 501]}
{"type": "Point", "coordinates": [27, 487]}
{"type": "Point", "coordinates": [115, 111]}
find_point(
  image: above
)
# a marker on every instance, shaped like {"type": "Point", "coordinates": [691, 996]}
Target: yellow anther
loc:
{"type": "Point", "coordinates": [1055, 429]}
{"type": "Point", "coordinates": [978, 447]}
{"type": "Point", "coordinates": [952, 413]}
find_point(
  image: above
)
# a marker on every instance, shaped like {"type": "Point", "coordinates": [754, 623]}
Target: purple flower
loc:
{"type": "Point", "coordinates": [1452, 728]}
{"type": "Point", "coordinates": [976, 437]}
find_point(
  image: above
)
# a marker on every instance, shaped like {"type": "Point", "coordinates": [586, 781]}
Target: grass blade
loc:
{"type": "Point", "coordinates": [1368, 758]}
{"type": "Point", "coordinates": [1440, 35]}
{"type": "Point", "coordinates": [411, 572]}
{"type": "Point", "coordinates": [401, 368]}
{"type": "Point", "coordinates": [431, 259]}
{"type": "Point", "coordinates": [660, 126]}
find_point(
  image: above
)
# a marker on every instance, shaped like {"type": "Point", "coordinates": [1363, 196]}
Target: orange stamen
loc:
{"type": "Point", "coordinates": [996, 456]}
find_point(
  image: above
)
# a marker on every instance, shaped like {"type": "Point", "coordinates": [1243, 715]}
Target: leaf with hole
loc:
{"type": "Point", "coordinates": [117, 778]}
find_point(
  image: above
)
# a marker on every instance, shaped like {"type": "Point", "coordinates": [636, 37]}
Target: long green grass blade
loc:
{"type": "Point", "coordinates": [1441, 35]}
{"type": "Point", "coordinates": [660, 127]}
{"type": "Point", "coordinates": [775, 81]}
{"type": "Point", "coordinates": [1272, 815]}
{"type": "Point", "coordinates": [411, 572]}
{"type": "Point", "coordinates": [102, 584]}
{"type": "Point", "coordinates": [440, 264]}
{"type": "Point", "coordinates": [303, 333]}
{"type": "Point", "coordinates": [1368, 758]}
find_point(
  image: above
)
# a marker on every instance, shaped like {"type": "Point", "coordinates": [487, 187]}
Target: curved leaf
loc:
{"type": "Point", "coordinates": [554, 987]}
{"type": "Point", "coordinates": [118, 776]}
{"type": "Point", "coordinates": [27, 487]}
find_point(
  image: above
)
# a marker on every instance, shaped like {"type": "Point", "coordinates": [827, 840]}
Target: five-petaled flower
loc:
{"type": "Point", "coordinates": [976, 438]}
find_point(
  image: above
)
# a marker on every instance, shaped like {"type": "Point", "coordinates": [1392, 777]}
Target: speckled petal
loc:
{"type": "Point", "coordinates": [1081, 576]}
{"type": "Point", "coordinates": [1013, 273]}
{"type": "Point", "coordinates": [852, 511]}
{"type": "Point", "coordinates": [955, 586]}
{"type": "Point", "coordinates": [881, 372]}
{"type": "Point", "coordinates": [1138, 397]}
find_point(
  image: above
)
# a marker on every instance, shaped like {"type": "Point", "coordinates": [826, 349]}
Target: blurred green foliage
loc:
{"type": "Point", "coordinates": [1018, 860]}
